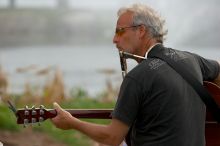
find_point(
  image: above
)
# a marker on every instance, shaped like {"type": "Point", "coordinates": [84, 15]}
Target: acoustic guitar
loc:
{"type": "Point", "coordinates": [212, 128]}
{"type": "Point", "coordinates": [36, 115]}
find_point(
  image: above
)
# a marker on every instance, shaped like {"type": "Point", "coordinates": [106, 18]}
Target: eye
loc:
{"type": "Point", "coordinates": [119, 31]}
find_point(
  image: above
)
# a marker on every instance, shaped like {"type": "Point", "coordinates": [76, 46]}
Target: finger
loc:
{"type": "Point", "coordinates": [57, 107]}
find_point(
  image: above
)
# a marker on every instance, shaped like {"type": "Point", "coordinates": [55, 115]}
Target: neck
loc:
{"type": "Point", "coordinates": [149, 44]}
{"type": "Point", "coordinates": [146, 46]}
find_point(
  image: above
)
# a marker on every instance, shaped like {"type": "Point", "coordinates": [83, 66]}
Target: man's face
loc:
{"type": "Point", "coordinates": [126, 35]}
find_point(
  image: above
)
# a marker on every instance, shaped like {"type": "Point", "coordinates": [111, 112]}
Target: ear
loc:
{"type": "Point", "coordinates": [142, 31]}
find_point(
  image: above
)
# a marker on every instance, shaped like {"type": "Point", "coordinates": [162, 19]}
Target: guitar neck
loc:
{"type": "Point", "coordinates": [85, 113]}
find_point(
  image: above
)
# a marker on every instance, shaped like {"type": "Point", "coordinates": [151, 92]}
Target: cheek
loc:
{"type": "Point", "coordinates": [128, 43]}
{"type": "Point", "coordinates": [132, 43]}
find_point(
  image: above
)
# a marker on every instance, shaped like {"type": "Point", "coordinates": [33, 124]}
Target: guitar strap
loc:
{"type": "Point", "coordinates": [179, 67]}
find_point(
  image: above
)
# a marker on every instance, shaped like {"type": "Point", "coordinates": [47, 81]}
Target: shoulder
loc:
{"type": "Point", "coordinates": [146, 70]}
{"type": "Point", "coordinates": [147, 66]}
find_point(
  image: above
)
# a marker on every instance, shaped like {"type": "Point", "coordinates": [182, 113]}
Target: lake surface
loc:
{"type": "Point", "coordinates": [81, 65]}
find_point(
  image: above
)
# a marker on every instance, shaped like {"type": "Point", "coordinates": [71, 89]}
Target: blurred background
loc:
{"type": "Point", "coordinates": [38, 38]}
{"type": "Point", "coordinates": [55, 50]}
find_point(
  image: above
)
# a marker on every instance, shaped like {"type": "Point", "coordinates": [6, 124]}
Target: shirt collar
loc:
{"type": "Point", "coordinates": [150, 49]}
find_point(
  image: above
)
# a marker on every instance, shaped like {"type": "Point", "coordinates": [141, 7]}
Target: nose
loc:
{"type": "Point", "coordinates": [115, 39]}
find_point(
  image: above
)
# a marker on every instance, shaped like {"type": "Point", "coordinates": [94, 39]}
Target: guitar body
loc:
{"type": "Point", "coordinates": [212, 128]}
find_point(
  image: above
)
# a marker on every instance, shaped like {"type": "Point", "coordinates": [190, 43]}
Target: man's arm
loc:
{"type": "Point", "coordinates": [112, 134]}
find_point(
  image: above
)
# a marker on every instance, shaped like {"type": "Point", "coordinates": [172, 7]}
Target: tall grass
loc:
{"type": "Point", "coordinates": [54, 91]}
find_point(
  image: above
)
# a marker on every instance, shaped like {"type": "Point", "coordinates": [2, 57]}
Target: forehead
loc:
{"type": "Point", "coordinates": [125, 19]}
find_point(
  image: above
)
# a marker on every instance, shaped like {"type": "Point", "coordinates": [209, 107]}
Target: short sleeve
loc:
{"type": "Point", "coordinates": [128, 102]}
{"type": "Point", "coordinates": [210, 68]}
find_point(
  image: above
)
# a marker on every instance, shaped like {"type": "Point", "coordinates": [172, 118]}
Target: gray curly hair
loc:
{"type": "Point", "coordinates": [145, 15]}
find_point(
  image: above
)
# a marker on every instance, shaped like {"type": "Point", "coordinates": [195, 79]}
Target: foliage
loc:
{"type": "Point", "coordinates": [78, 92]}
{"type": "Point", "coordinates": [7, 119]}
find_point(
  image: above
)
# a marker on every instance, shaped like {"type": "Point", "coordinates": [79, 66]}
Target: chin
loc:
{"type": "Point", "coordinates": [129, 51]}
{"type": "Point", "coordinates": [125, 49]}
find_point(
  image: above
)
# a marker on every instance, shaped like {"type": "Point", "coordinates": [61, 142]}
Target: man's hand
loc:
{"type": "Point", "coordinates": [64, 120]}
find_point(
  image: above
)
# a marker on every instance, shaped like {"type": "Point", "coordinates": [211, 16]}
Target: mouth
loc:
{"type": "Point", "coordinates": [119, 48]}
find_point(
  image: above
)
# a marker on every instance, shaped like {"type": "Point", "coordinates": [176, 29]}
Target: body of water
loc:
{"type": "Point", "coordinates": [82, 66]}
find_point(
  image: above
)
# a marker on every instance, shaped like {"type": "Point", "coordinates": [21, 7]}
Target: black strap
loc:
{"type": "Point", "coordinates": [189, 77]}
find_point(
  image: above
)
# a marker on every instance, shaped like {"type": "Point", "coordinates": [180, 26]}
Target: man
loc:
{"type": "Point", "coordinates": [155, 102]}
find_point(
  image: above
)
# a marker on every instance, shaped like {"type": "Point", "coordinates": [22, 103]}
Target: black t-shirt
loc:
{"type": "Point", "coordinates": [160, 106]}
